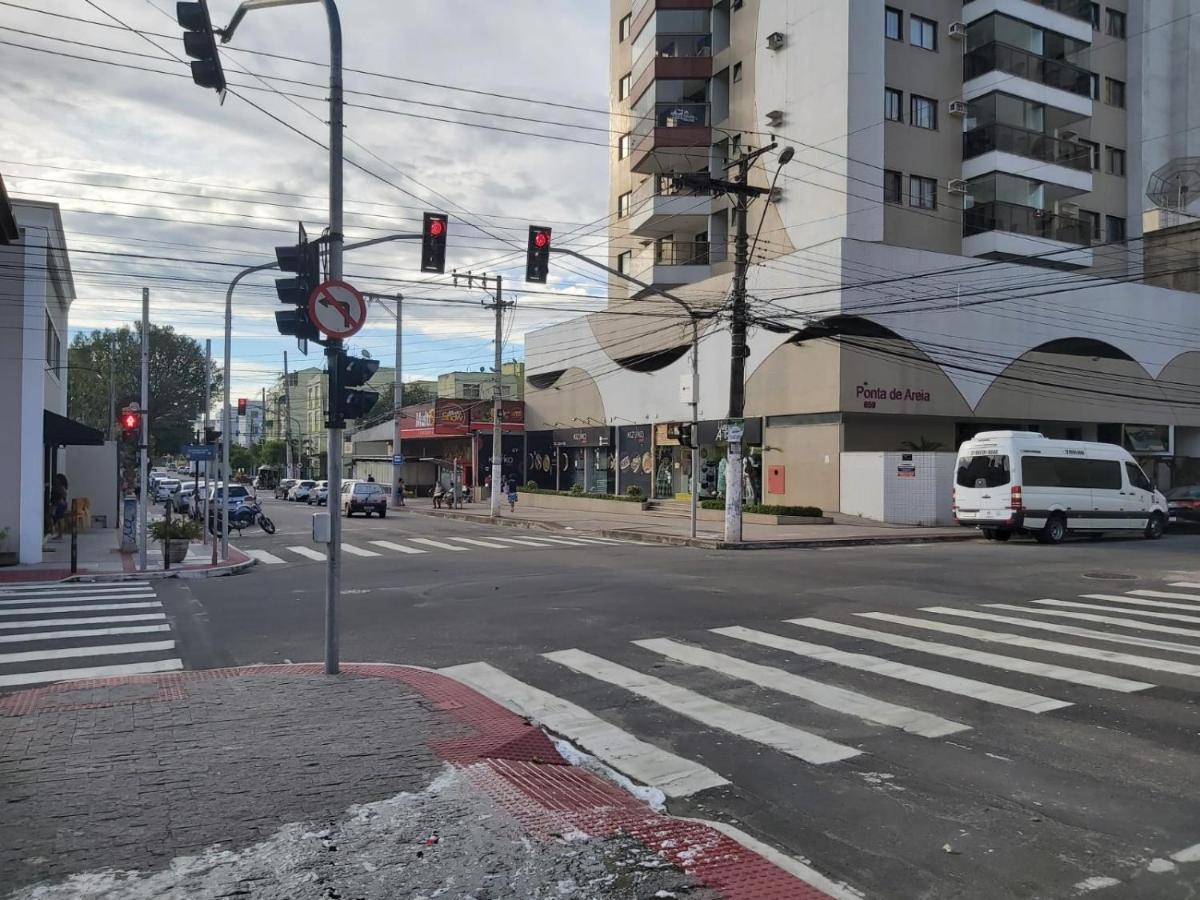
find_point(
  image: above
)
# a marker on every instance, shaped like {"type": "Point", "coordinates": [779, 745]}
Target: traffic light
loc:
{"type": "Point", "coordinates": [130, 422]}
{"type": "Point", "coordinates": [537, 254]}
{"type": "Point", "coordinates": [433, 242]}
{"type": "Point", "coordinates": [348, 399]}
{"type": "Point", "coordinates": [200, 44]}
{"type": "Point", "coordinates": [241, 406]}
{"type": "Point", "coordinates": [685, 434]}
{"type": "Point", "coordinates": [303, 259]}
{"type": "Point", "coordinates": [211, 435]}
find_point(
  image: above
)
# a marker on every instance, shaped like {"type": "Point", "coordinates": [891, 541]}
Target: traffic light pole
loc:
{"type": "Point", "coordinates": [144, 434]}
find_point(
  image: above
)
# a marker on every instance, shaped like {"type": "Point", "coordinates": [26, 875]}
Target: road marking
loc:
{"type": "Point", "coordinates": [309, 552]}
{"type": "Point", "coordinates": [57, 610]}
{"type": "Point", "coordinates": [479, 543]}
{"type": "Point", "coordinates": [1137, 601]}
{"type": "Point", "coordinates": [1186, 584]}
{"type": "Point", "coordinates": [1174, 617]}
{"type": "Point", "coordinates": [144, 668]}
{"type": "Point", "coordinates": [608, 540]}
{"type": "Point", "coordinates": [70, 652]}
{"type": "Point", "coordinates": [839, 699]}
{"type": "Point", "coordinates": [561, 541]}
{"type": "Point", "coordinates": [107, 597]}
{"type": "Point", "coordinates": [527, 542]}
{"type": "Point", "coordinates": [1165, 595]}
{"type": "Point", "coordinates": [995, 660]}
{"type": "Point", "coordinates": [1107, 620]}
{"type": "Point", "coordinates": [1058, 628]}
{"type": "Point", "coordinates": [264, 557]}
{"type": "Point", "coordinates": [713, 713]}
{"type": "Point", "coordinates": [1016, 640]}
{"type": "Point", "coordinates": [83, 632]}
{"type": "Point", "coordinates": [441, 545]}
{"type": "Point", "coordinates": [601, 541]}
{"type": "Point", "coordinates": [940, 681]}
{"type": "Point", "coordinates": [78, 590]}
{"type": "Point", "coordinates": [358, 551]}
{"type": "Point", "coordinates": [400, 548]}
{"type": "Point", "coordinates": [89, 620]}
{"type": "Point", "coordinates": [673, 775]}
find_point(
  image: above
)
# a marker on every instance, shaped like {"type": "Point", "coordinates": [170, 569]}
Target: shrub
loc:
{"type": "Point", "coordinates": [531, 486]}
{"type": "Point", "coordinates": [769, 510]}
{"type": "Point", "coordinates": [633, 492]}
{"type": "Point", "coordinates": [576, 490]}
{"type": "Point", "coordinates": [178, 529]}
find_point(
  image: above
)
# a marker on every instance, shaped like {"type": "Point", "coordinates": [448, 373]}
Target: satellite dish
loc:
{"type": "Point", "coordinates": [1175, 185]}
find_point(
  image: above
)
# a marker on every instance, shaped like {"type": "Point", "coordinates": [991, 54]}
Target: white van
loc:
{"type": "Point", "coordinates": [1020, 481]}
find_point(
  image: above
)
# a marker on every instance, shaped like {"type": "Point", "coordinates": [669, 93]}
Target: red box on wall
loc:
{"type": "Point", "coordinates": [776, 479]}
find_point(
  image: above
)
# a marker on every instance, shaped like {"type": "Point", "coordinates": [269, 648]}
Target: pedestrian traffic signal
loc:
{"type": "Point", "coordinates": [433, 242]}
{"type": "Point", "coordinates": [685, 434]}
{"type": "Point", "coordinates": [303, 259]}
{"type": "Point", "coordinates": [348, 399]}
{"type": "Point", "coordinates": [241, 406]}
{"type": "Point", "coordinates": [537, 254]}
{"type": "Point", "coordinates": [200, 43]}
{"type": "Point", "coordinates": [130, 422]}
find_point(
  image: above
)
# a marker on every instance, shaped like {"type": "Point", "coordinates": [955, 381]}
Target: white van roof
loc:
{"type": "Point", "coordinates": [1009, 435]}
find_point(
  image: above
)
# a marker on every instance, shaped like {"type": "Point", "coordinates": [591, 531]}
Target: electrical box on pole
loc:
{"type": "Point", "coordinates": [537, 254]}
{"type": "Point", "coordinates": [433, 242]}
{"type": "Point", "coordinates": [200, 43]}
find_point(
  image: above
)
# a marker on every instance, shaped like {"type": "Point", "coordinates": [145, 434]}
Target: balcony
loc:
{"type": "Point", "coordinates": [1076, 9]}
{"type": "Point", "coordinates": [1037, 78]}
{"type": "Point", "coordinates": [677, 140]}
{"type": "Point", "coordinates": [680, 262]}
{"type": "Point", "coordinates": [672, 56]}
{"type": "Point", "coordinates": [659, 209]}
{"type": "Point", "coordinates": [1000, 230]}
{"type": "Point", "coordinates": [1069, 17]}
{"type": "Point", "coordinates": [1006, 148]}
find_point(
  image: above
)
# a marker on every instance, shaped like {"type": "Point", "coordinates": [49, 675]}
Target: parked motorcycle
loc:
{"type": "Point", "coordinates": [246, 515]}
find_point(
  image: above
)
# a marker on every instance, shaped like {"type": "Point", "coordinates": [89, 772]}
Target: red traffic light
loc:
{"type": "Point", "coordinates": [541, 239]}
{"type": "Point", "coordinates": [129, 420]}
{"type": "Point", "coordinates": [437, 227]}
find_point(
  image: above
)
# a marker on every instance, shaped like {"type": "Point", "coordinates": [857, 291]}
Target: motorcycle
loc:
{"type": "Point", "coordinates": [246, 515]}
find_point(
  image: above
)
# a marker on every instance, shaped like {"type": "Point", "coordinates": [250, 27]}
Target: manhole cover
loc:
{"type": "Point", "coordinates": [1109, 576]}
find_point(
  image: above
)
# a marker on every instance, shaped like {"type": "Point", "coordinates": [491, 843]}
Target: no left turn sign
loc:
{"type": "Point", "coordinates": [336, 309]}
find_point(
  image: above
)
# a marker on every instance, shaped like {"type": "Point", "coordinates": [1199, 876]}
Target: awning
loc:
{"type": "Point", "coordinates": [59, 431]}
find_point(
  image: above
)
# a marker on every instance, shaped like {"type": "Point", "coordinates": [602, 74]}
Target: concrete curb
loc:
{"type": "Point", "coordinates": [490, 520]}
{"type": "Point", "coordinates": [785, 544]}
{"type": "Point", "coordinates": [232, 568]}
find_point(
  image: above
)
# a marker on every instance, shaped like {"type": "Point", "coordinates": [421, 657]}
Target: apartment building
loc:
{"type": "Point", "coordinates": [956, 244]}
{"type": "Point", "coordinates": [481, 385]}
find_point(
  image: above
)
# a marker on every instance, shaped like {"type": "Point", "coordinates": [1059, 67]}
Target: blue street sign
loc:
{"type": "Point", "coordinates": [200, 452]}
{"type": "Point", "coordinates": [397, 460]}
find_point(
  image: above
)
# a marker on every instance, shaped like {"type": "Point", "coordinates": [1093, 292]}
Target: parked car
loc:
{"type": "Point", "coordinates": [365, 497]}
{"type": "Point", "coordinates": [319, 494]}
{"type": "Point", "coordinates": [238, 494]}
{"type": "Point", "coordinates": [183, 498]}
{"type": "Point", "coordinates": [300, 490]}
{"type": "Point", "coordinates": [1183, 504]}
{"type": "Point", "coordinates": [165, 489]}
{"type": "Point", "coordinates": [281, 489]}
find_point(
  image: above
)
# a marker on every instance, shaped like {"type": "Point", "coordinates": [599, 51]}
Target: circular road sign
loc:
{"type": "Point", "coordinates": [336, 309]}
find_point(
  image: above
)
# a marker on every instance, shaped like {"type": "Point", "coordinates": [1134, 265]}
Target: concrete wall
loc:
{"type": "Point", "coordinates": [862, 485]}
{"type": "Point", "coordinates": [810, 455]}
{"type": "Point", "coordinates": [92, 473]}
{"type": "Point", "coordinates": [899, 488]}
{"type": "Point", "coordinates": [12, 369]}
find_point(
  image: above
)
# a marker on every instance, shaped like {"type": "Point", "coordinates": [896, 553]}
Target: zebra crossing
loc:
{"type": "Point", "coordinates": [442, 544]}
{"type": "Point", "coordinates": [56, 632]}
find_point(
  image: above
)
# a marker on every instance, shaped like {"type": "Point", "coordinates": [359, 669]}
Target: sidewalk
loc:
{"type": "Point", "coordinates": [666, 528]}
{"type": "Point", "coordinates": [383, 782]}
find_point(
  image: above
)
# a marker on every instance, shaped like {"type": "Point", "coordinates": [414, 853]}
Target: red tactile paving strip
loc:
{"type": "Point", "coordinates": [519, 767]}
{"type": "Point", "coordinates": [37, 575]}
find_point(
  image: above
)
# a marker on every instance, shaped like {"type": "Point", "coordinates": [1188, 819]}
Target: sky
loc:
{"type": "Point", "coordinates": [163, 187]}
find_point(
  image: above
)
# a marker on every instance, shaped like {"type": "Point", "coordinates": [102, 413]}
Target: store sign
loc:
{"type": "Point", "coordinates": [423, 418]}
{"type": "Point", "coordinates": [870, 396]}
{"type": "Point", "coordinates": [731, 431]}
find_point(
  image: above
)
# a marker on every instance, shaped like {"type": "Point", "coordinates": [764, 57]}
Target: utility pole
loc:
{"type": "Point", "coordinates": [398, 407]}
{"type": "Point", "coordinates": [144, 412]}
{"type": "Point", "coordinates": [287, 418]}
{"type": "Point", "coordinates": [207, 426]}
{"type": "Point", "coordinates": [112, 387]}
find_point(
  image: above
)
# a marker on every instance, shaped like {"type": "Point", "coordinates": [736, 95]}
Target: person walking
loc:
{"type": "Point", "coordinates": [58, 504]}
{"type": "Point", "coordinates": [512, 494]}
{"type": "Point", "coordinates": [399, 491]}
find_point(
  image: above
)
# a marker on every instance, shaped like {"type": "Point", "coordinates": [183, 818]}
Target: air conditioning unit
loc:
{"type": "Point", "coordinates": [956, 186]}
{"type": "Point", "coordinates": [958, 108]}
{"type": "Point", "coordinates": [775, 195]}
{"type": "Point", "coordinates": [775, 118]}
{"type": "Point", "coordinates": [957, 30]}
{"type": "Point", "coordinates": [775, 40]}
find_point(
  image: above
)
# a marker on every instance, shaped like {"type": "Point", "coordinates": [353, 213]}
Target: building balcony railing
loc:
{"type": "Point", "coordinates": [674, 115]}
{"type": "Point", "coordinates": [1076, 9]}
{"type": "Point", "coordinates": [687, 253]}
{"type": "Point", "coordinates": [1027, 220]}
{"type": "Point", "coordinates": [673, 46]}
{"type": "Point", "coordinates": [998, 57]}
{"type": "Point", "coordinates": [1023, 142]}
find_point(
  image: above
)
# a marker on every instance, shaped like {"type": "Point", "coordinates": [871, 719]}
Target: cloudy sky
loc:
{"type": "Point", "coordinates": [162, 187]}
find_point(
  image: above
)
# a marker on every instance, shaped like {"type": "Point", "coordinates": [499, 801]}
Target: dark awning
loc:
{"type": "Point", "coordinates": [59, 431]}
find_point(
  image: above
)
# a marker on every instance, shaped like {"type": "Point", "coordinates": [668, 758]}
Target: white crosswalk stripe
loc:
{"type": "Point", "coordinates": [49, 637]}
{"type": "Point", "coordinates": [478, 543]}
{"type": "Point", "coordinates": [358, 551]}
{"type": "Point", "coordinates": [1186, 584]}
{"type": "Point", "coordinates": [307, 552]}
{"type": "Point", "coordinates": [1104, 620]}
{"type": "Point", "coordinates": [399, 548]}
{"type": "Point", "coordinates": [569, 543]}
{"type": "Point", "coordinates": [525, 542]}
{"type": "Point", "coordinates": [263, 556]}
{"type": "Point", "coordinates": [1165, 595]}
{"type": "Point", "coordinates": [1139, 601]}
{"type": "Point", "coordinates": [1144, 613]}
{"type": "Point", "coordinates": [441, 545]}
{"type": "Point", "coordinates": [75, 588]}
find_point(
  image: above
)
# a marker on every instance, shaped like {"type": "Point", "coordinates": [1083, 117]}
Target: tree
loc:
{"type": "Point", "coordinates": [413, 394]}
{"type": "Point", "coordinates": [242, 459]}
{"type": "Point", "coordinates": [272, 453]}
{"type": "Point", "coordinates": [177, 380]}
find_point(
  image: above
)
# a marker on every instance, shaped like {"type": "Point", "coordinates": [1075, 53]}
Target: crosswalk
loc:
{"type": "Point", "coordinates": [56, 632]}
{"type": "Point", "coordinates": [443, 544]}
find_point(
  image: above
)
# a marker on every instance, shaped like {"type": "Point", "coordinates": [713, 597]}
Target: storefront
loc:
{"type": "Point", "coordinates": [452, 436]}
{"type": "Point", "coordinates": [565, 457]}
{"type": "Point", "coordinates": [672, 463]}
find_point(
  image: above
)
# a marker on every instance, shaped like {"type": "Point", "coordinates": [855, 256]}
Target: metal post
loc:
{"type": "Point", "coordinates": [112, 387]}
{"type": "Point", "coordinates": [497, 403]}
{"type": "Point", "coordinates": [166, 544]}
{"type": "Point", "coordinates": [737, 366]}
{"type": "Point", "coordinates": [695, 426]}
{"type": "Point", "coordinates": [397, 406]}
{"type": "Point", "coordinates": [144, 413]}
{"type": "Point", "coordinates": [287, 421]}
{"type": "Point", "coordinates": [207, 465]}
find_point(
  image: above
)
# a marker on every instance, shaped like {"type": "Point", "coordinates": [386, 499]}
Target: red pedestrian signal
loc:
{"type": "Point", "coordinates": [537, 254]}
{"type": "Point", "coordinates": [130, 421]}
{"type": "Point", "coordinates": [433, 242]}
{"type": "Point", "coordinates": [241, 406]}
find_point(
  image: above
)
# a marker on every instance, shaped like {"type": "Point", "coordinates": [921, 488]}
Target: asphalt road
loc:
{"type": "Point", "coordinates": [961, 750]}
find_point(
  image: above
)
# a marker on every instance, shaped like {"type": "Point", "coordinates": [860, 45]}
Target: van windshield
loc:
{"type": "Point", "coordinates": [983, 471]}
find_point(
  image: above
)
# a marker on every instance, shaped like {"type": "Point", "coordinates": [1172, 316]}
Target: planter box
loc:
{"type": "Point", "coordinates": [579, 504]}
{"type": "Point", "coordinates": [176, 550]}
{"type": "Point", "coordinates": [718, 515]}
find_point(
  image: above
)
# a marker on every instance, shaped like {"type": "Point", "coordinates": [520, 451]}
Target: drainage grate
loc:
{"type": "Point", "coordinates": [1109, 576]}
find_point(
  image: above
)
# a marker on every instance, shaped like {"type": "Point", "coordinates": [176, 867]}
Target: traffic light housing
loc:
{"type": "Point", "coordinates": [433, 242]}
{"type": "Point", "coordinates": [348, 399]}
{"type": "Point", "coordinates": [685, 434]}
{"type": "Point", "coordinates": [537, 254]}
{"type": "Point", "coordinates": [200, 44]}
{"type": "Point", "coordinates": [130, 422]}
{"type": "Point", "coordinates": [304, 260]}
{"type": "Point", "coordinates": [241, 406]}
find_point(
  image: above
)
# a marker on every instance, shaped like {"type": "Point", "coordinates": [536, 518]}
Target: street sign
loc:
{"type": "Point", "coordinates": [199, 453]}
{"type": "Point", "coordinates": [337, 309]}
{"type": "Point", "coordinates": [730, 431]}
{"type": "Point", "coordinates": [397, 460]}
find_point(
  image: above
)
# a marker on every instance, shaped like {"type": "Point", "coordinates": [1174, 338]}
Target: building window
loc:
{"type": "Point", "coordinates": [893, 186]}
{"type": "Point", "coordinates": [1114, 92]}
{"type": "Point", "coordinates": [1116, 161]}
{"type": "Point", "coordinates": [624, 261]}
{"type": "Point", "coordinates": [623, 146]}
{"type": "Point", "coordinates": [53, 348]}
{"type": "Point", "coordinates": [893, 23]}
{"type": "Point", "coordinates": [893, 104]}
{"type": "Point", "coordinates": [1115, 25]}
{"type": "Point", "coordinates": [1116, 229]}
{"type": "Point", "coordinates": [1092, 220]}
{"type": "Point", "coordinates": [922, 32]}
{"type": "Point", "coordinates": [1095, 86]}
{"type": "Point", "coordinates": [623, 28]}
{"type": "Point", "coordinates": [1095, 11]}
{"type": "Point", "coordinates": [624, 204]}
{"type": "Point", "coordinates": [737, 71]}
{"type": "Point", "coordinates": [1092, 148]}
{"type": "Point", "coordinates": [922, 112]}
{"type": "Point", "coordinates": [922, 192]}
{"type": "Point", "coordinates": [623, 86]}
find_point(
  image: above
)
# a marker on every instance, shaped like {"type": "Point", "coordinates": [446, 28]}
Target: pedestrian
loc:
{"type": "Point", "coordinates": [438, 493]}
{"type": "Point", "coordinates": [58, 503]}
{"type": "Point", "coordinates": [370, 478]}
{"type": "Point", "coordinates": [512, 495]}
{"type": "Point", "coordinates": [400, 491]}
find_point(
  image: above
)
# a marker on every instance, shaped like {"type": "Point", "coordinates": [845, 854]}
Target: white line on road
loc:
{"type": "Point", "coordinates": [1145, 613]}
{"type": "Point", "coordinates": [829, 696]}
{"type": "Point", "coordinates": [492, 544]}
{"type": "Point", "coordinates": [1016, 640]}
{"type": "Point", "coordinates": [673, 775]}
{"type": "Point", "coordinates": [523, 541]}
{"type": "Point", "coordinates": [358, 551]}
{"type": "Point", "coordinates": [58, 610]}
{"type": "Point", "coordinates": [87, 620]}
{"type": "Point", "coordinates": [145, 668]}
{"type": "Point", "coordinates": [308, 552]}
{"type": "Point", "coordinates": [603, 542]}
{"type": "Point", "coordinates": [55, 588]}
{"type": "Point", "coordinates": [399, 548]}
{"type": "Point", "coordinates": [983, 658]}
{"type": "Point", "coordinates": [71, 652]}
{"type": "Point", "coordinates": [264, 557]}
{"type": "Point", "coordinates": [941, 681]}
{"type": "Point", "coordinates": [1137, 601]}
{"type": "Point", "coordinates": [569, 543]}
{"type": "Point", "coordinates": [441, 545]}
{"type": "Point", "coordinates": [713, 713]}
{"type": "Point", "coordinates": [1106, 620]}
{"type": "Point", "coordinates": [1186, 584]}
{"type": "Point", "coordinates": [143, 595]}
{"type": "Point", "coordinates": [1165, 595]}
{"type": "Point", "coordinates": [83, 632]}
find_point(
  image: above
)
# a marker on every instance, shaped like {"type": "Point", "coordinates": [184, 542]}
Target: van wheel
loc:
{"type": "Point", "coordinates": [989, 534]}
{"type": "Point", "coordinates": [1003, 536]}
{"type": "Point", "coordinates": [1156, 526]}
{"type": "Point", "coordinates": [1054, 532]}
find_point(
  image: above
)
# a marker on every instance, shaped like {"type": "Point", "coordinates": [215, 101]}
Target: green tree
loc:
{"type": "Point", "coordinates": [242, 459]}
{"type": "Point", "coordinates": [177, 379]}
{"type": "Point", "coordinates": [272, 453]}
{"type": "Point", "coordinates": [413, 394]}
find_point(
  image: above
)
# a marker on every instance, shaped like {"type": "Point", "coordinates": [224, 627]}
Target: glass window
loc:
{"type": "Point", "coordinates": [922, 192]}
{"type": "Point", "coordinates": [1093, 151]}
{"type": "Point", "coordinates": [1095, 86]}
{"type": "Point", "coordinates": [1137, 477]}
{"type": "Point", "coordinates": [893, 186]}
{"type": "Point", "coordinates": [737, 71]}
{"type": "Point", "coordinates": [893, 104]}
{"type": "Point", "coordinates": [1067, 472]}
{"type": "Point", "coordinates": [893, 23]}
{"type": "Point", "coordinates": [1114, 92]}
{"type": "Point", "coordinates": [922, 112]}
{"type": "Point", "coordinates": [624, 204]}
{"type": "Point", "coordinates": [623, 27]}
{"type": "Point", "coordinates": [623, 143]}
{"type": "Point", "coordinates": [623, 262]}
{"type": "Point", "coordinates": [470, 391]}
{"type": "Point", "coordinates": [1116, 161]}
{"type": "Point", "coordinates": [623, 87]}
{"type": "Point", "coordinates": [1095, 15]}
{"type": "Point", "coordinates": [984, 471]}
{"type": "Point", "coordinates": [1115, 25]}
{"type": "Point", "coordinates": [1116, 229]}
{"type": "Point", "coordinates": [922, 32]}
{"type": "Point", "coordinates": [1093, 222]}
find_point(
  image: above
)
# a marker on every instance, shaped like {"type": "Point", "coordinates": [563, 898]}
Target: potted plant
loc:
{"type": "Point", "coordinates": [175, 535]}
{"type": "Point", "coordinates": [7, 557]}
